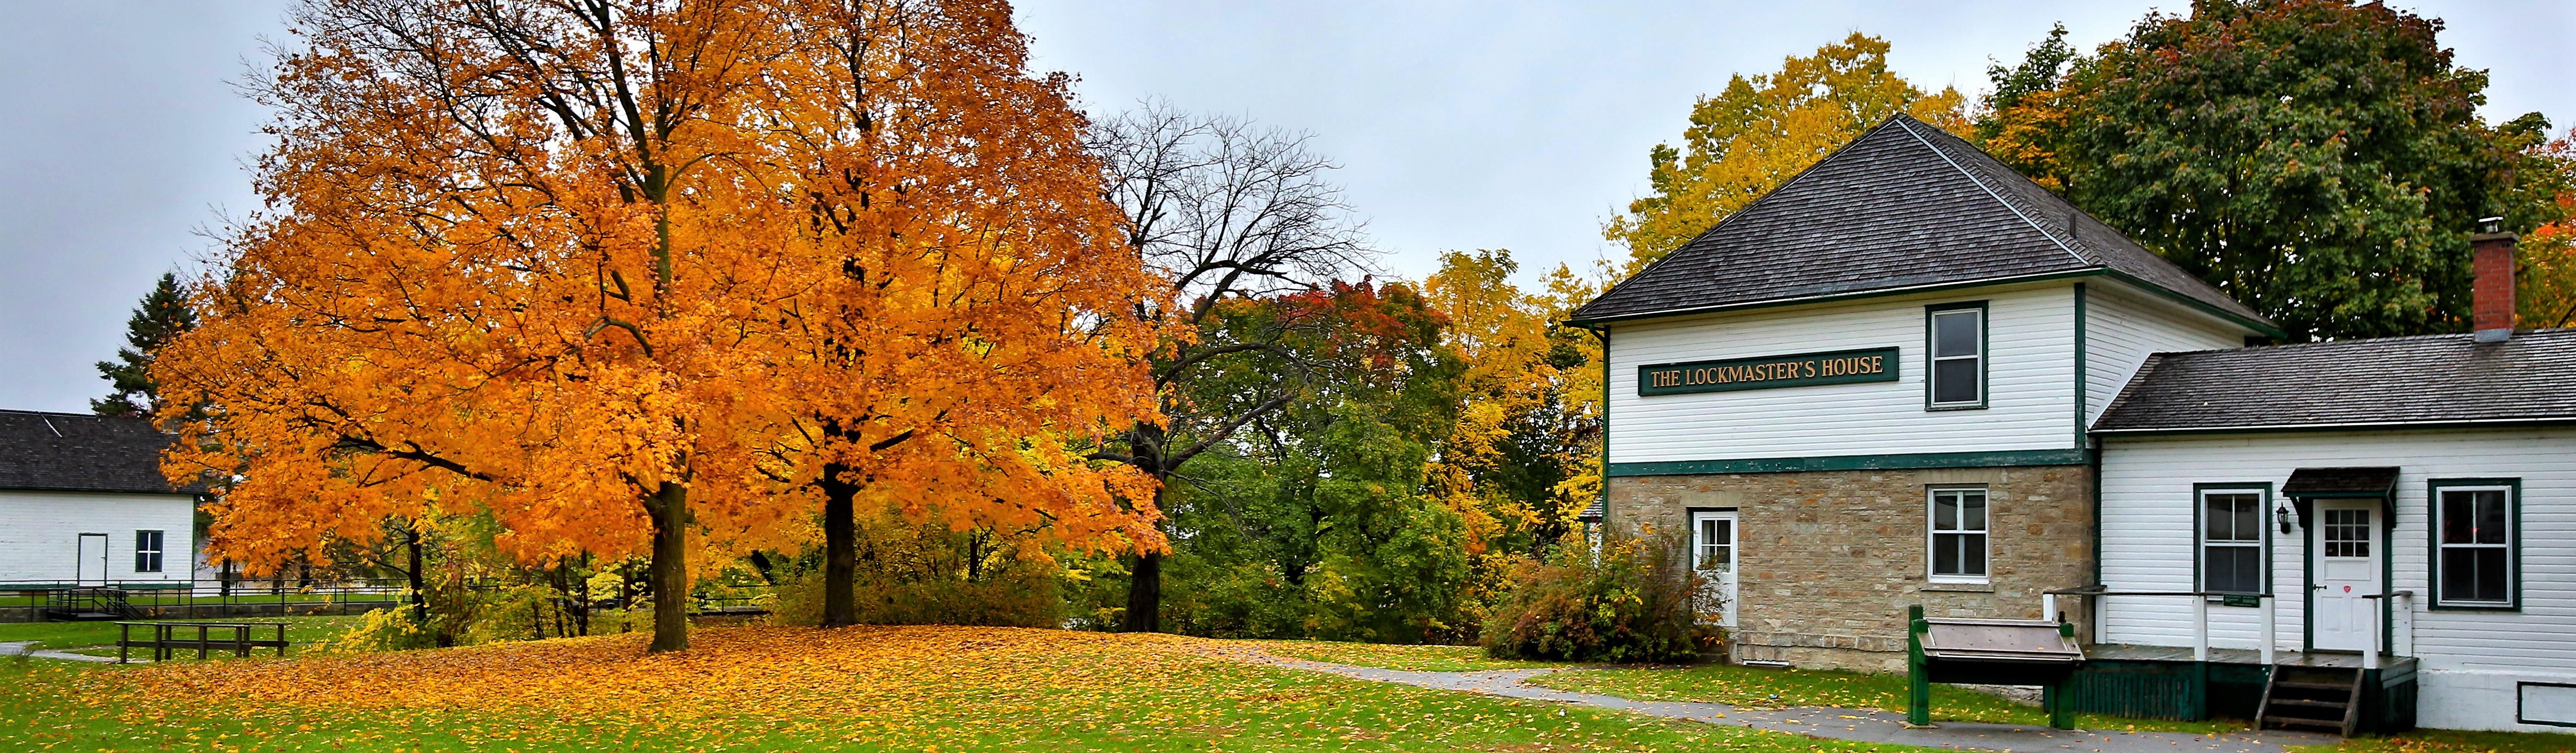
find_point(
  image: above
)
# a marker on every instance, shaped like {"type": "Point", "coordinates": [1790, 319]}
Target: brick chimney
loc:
{"type": "Point", "coordinates": [2491, 291]}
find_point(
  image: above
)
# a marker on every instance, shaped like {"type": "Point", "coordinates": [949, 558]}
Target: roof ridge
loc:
{"type": "Point", "coordinates": [2068, 242]}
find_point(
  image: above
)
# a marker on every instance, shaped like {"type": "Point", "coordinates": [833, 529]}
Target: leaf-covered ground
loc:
{"type": "Point", "coordinates": [783, 688]}
{"type": "Point", "coordinates": [1388, 656]}
{"type": "Point", "coordinates": [2451, 741]}
{"type": "Point", "coordinates": [1780, 688]}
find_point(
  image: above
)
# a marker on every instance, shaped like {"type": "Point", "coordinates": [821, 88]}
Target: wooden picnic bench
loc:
{"type": "Point", "coordinates": [169, 638]}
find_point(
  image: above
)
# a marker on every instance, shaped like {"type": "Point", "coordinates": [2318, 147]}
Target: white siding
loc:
{"type": "Point", "coordinates": [39, 533]}
{"type": "Point", "coordinates": [2470, 659]}
{"type": "Point", "coordinates": [2123, 325]}
{"type": "Point", "coordinates": [2030, 380]}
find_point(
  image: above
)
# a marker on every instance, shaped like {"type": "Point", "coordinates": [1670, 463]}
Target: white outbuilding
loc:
{"type": "Point", "coordinates": [83, 504]}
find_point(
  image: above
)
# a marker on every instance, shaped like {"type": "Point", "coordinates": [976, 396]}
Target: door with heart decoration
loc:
{"type": "Point", "coordinates": [2347, 543]}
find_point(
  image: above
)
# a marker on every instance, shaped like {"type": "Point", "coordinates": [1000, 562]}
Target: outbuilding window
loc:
{"type": "Point", "coordinates": [147, 551]}
{"type": "Point", "coordinates": [1956, 342]}
{"type": "Point", "coordinates": [2231, 541]}
{"type": "Point", "coordinates": [1959, 535]}
{"type": "Point", "coordinates": [2475, 538]}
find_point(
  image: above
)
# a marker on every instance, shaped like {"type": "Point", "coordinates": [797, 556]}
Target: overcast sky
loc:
{"type": "Point", "coordinates": [1459, 125]}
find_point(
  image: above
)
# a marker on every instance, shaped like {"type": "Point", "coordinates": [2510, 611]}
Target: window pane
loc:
{"type": "Point", "coordinates": [2491, 527]}
{"type": "Point", "coordinates": [1972, 511]}
{"type": "Point", "coordinates": [2236, 569]}
{"type": "Point", "coordinates": [1945, 554]}
{"type": "Point", "coordinates": [1954, 333]}
{"type": "Point", "coordinates": [2249, 517]}
{"type": "Point", "coordinates": [2217, 520]}
{"type": "Point", "coordinates": [2492, 574]}
{"type": "Point", "coordinates": [1725, 532]}
{"type": "Point", "coordinates": [1954, 381]}
{"type": "Point", "coordinates": [1945, 511]}
{"type": "Point", "coordinates": [2459, 516]}
{"type": "Point", "coordinates": [1972, 554]}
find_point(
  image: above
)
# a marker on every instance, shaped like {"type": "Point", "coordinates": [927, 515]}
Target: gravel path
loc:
{"type": "Point", "coordinates": [1864, 725]}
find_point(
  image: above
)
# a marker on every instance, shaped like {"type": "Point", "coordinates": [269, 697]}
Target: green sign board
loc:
{"type": "Point", "coordinates": [2240, 600]}
{"type": "Point", "coordinates": [1800, 370]}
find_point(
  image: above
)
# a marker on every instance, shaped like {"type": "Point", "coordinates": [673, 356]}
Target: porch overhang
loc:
{"type": "Point", "coordinates": [2347, 482]}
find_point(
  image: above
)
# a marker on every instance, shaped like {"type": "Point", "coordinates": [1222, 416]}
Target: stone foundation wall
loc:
{"type": "Point", "coordinates": [1828, 561]}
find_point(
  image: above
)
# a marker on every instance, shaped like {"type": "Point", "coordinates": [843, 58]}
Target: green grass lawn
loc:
{"type": "Point", "coordinates": [1779, 688]}
{"type": "Point", "coordinates": [79, 635]}
{"type": "Point", "coordinates": [799, 689]}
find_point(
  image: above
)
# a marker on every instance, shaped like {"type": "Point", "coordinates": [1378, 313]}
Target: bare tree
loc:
{"type": "Point", "coordinates": [1225, 209]}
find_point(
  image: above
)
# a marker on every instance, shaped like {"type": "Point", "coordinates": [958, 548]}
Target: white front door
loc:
{"type": "Point", "coordinates": [2347, 541]}
{"type": "Point", "coordinates": [89, 565]}
{"type": "Point", "coordinates": [1713, 554]}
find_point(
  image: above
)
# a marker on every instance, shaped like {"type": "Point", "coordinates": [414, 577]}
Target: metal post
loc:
{"type": "Point", "coordinates": [2048, 607]}
{"type": "Point", "coordinates": [2199, 628]}
{"type": "Point", "coordinates": [2270, 629]}
{"type": "Point", "coordinates": [1918, 697]}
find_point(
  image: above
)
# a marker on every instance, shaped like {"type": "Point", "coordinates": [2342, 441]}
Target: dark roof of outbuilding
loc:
{"type": "Point", "coordinates": [1906, 205]}
{"type": "Point", "coordinates": [81, 452]}
{"type": "Point", "coordinates": [2429, 379]}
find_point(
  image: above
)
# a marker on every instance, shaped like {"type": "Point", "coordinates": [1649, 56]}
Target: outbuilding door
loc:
{"type": "Point", "coordinates": [2347, 543]}
{"type": "Point", "coordinates": [1713, 554]}
{"type": "Point", "coordinates": [89, 565]}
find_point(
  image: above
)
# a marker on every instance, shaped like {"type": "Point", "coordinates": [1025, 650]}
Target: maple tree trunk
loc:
{"type": "Point", "coordinates": [669, 507]}
{"type": "Point", "coordinates": [419, 594]}
{"type": "Point", "coordinates": [840, 549]}
{"type": "Point", "coordinates": [1145, 588]}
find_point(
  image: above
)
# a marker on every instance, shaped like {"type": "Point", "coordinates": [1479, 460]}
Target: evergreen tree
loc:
{"type": "Point", "coordinates": [161, 316]}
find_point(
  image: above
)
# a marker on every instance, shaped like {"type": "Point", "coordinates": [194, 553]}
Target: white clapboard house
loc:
{"type": "Point", "coordinates": [83, 504]}
{"type": "Point", "coordinates": [1911, 376]}
{"type": "Point", "coordinates": [2404, 509]}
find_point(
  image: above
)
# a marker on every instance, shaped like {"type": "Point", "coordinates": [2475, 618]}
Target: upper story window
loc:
{"type": "Point", "coordinates": [1956, 335]}
{"type": "Point", "coordinates": [2475, 561]}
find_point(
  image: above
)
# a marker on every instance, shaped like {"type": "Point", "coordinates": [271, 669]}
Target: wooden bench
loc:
{"type": "Point", "coordinates": [169, 638]}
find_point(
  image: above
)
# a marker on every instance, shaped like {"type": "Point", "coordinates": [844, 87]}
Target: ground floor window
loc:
{"type": "Point", "coordinates": [147, 551]}
{"type": "Point", "coordinates": [2474, 542]}
{"type": "Point", "coordinates": [1959, 534]}
{"type": "Point", "coordinates": [2231, 541]}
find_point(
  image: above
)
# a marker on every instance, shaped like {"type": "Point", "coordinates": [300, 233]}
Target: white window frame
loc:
{"type": "Point", "coordinates": [2261, 543]}
{"type": "Point", "coordinates": [2512, 543]}
{"type": "Point", "coordinates": [1932, 358]}
{"type": "Point", "coordinates": [1932, 534]}
{"type": "Point", "coordinates": [160, 540]}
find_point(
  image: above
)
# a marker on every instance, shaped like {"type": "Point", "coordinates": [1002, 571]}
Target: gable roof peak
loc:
{"type": "Point", "coordinates": [1905, 205]}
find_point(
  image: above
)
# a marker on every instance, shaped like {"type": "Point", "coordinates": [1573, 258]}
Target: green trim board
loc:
{"type": "Point", "coordinates": [1765, 372]}
{"type": "Point", "coordinates": [2200, 531]}
{"type": "Point", "coordinates": [2081, 438]}
{"type": "Point", "coordinates": [1996, 459]}
{"type": "Point", "coordinates": [2433, 544]}
{"type": "Point", "coordinates": [1985, 353]}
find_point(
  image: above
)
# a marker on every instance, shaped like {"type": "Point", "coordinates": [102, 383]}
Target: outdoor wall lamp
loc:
{"type": "Point", "coordinates": [2282, 514]}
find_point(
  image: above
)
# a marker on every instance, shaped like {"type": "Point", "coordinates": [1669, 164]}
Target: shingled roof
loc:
{"type": "Point", "coordinates": [81, 452]}
{"type": "Point", "coordinates": [2426, 380]}
{"type": "Point", "coordinates": [1905, 206]}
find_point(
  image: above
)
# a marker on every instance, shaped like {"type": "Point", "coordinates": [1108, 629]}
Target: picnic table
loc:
{"type": "Point", "coordinates": [169, 638]}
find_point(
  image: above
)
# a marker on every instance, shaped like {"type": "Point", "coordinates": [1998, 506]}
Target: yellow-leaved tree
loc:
{"type": "Point", "coordinates": [624, 275]}
{"type": "Point", "coordinates": [1762, 130]}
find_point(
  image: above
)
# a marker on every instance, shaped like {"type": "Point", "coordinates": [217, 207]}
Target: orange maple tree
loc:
{"type": "Point", "coordinates": [614, 272]}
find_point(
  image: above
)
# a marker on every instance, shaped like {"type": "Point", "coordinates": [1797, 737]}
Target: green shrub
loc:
{"type": "Point", "coordinates": [1636, 601]}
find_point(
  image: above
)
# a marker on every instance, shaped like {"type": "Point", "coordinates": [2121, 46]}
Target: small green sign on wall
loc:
{"type": "Point", "coordinates": [1800, 370]}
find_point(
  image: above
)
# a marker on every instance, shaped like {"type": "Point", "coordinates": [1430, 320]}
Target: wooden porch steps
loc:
{"type": "Point", "coordinates": [2318, 698]}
